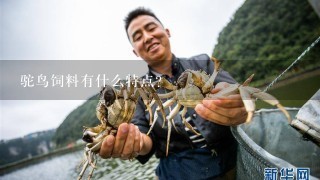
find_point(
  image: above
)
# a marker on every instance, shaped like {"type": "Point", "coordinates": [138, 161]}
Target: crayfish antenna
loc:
{"type": "Point", "coordinates": [152, 102]}
{"type": "Point", "coordinates": [249, 117]}
{"type": "Point", "coordinates": [91, 173]}
{"type": "Point", "coordinates": [168, 137]}
{"type": "Point", "coordinates": [153, 123]}
{"type": "Point", "coordinates": [246, 83]}
{"type": "Point", "coordinates": [83, 170]}
{"type": "Point", "coordinates": [208, 85]}
{"type": "Point", "coordinates": [150, 114]}
{"type": "Point", "coordinates": [217, 63]}
{"type": "Point", "coordinates": [285, 112]}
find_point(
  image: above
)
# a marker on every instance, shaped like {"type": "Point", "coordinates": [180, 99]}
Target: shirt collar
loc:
{"type": "Point", "coordinates": [175, 65]}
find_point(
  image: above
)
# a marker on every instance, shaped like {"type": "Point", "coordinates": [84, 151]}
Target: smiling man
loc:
{"type": "Point", "coordinates": [151, 42]}
{"type": "Point", "coordinates": [210, 155]}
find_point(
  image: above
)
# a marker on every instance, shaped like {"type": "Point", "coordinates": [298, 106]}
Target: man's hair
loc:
{"type": "Point", "coordinates": [138, 12]}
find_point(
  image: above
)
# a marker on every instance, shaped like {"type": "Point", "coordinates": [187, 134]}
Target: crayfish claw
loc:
{"type": "Point", "coordinates": [87, 137]}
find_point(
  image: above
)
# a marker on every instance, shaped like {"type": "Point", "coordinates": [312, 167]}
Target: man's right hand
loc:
{"type": "Point", "coordinates": [127, 144]}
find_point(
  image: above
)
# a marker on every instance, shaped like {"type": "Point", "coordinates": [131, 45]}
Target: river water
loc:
{"type": "Point", "coordinates": [67, 167]}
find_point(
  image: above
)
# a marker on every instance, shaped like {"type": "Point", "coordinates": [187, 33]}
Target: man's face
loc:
{"type": "Point", "coordinates": [149, 39]}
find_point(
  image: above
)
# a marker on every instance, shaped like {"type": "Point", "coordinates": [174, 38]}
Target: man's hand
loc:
{"type": "Point", "coordinates": [128, 143]}
{"type": "Point", "coordinates": [228, 111]}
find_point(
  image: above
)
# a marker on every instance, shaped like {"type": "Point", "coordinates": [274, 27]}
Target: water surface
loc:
{"type": "Point", "coordinates": [66, 167]}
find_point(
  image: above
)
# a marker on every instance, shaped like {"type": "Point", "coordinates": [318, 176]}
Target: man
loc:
{"type": "Point", "coordinates": [207, 156]}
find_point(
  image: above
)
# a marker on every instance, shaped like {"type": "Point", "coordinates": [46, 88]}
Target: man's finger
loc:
{"type": "Point", "coordinates": [218, 87]}
{"type": "Point", "coordinates": [121, 137]}
{"type": "Point", "coordinates": [222, 85]}
{"type": "Point", "coordinates": [223, 117]}
{"type": "Point", "coordinates": [129, 144]}
{"type": "Point", "coordinates": [215, 90]}
{"type": "Point", "coordinates": [228, 112]}
{"type": "Point", "coordinates": [231, 101]}
{"type": "Point", "coordinates": [136, 148]}
{"type": "Point", "coordinates": [107, 147]}
{"type": "Point", "coordinates": [206, 113]}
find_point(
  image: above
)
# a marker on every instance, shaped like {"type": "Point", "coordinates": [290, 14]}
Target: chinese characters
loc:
{"type": "Point", "coordinates": [85, 80]}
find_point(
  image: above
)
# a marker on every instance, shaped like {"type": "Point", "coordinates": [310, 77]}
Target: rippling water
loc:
{"type": "Point", "coordinates": [66, 167]}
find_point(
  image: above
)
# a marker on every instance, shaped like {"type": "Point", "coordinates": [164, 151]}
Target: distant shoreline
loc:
{"type": "Point", "coordinates": [293, 78]}
{"type": "Point", "coordinates": [5, 169]}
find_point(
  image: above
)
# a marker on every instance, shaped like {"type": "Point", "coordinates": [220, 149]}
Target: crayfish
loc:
{"type": "Point", "coordinates": [194, 86]}
{"type": "Point", "coordinates": [114, 108]}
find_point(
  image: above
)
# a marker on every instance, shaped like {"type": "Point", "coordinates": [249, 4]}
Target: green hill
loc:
{"type": "Point", "coordinates": [266, 36]}
{"type": "Point", "coordinates": [72, 127]}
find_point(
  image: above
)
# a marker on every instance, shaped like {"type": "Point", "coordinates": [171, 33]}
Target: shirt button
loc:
{"type": "Point", "coordinates": [194, 115]}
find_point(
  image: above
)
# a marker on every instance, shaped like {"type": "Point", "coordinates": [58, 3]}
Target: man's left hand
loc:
{"type": "Point", "coordinates": [228, 111]}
